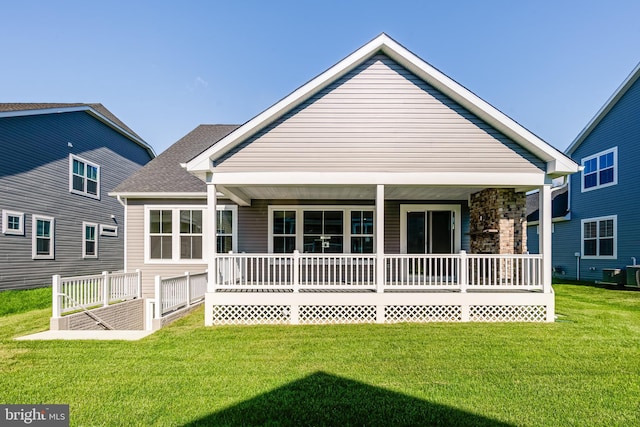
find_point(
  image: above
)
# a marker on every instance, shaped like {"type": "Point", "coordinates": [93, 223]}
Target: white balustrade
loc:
{"type": "Point", "coordinates": [173, 293]}
{"type": "Point", "coordinates": [81, 292]}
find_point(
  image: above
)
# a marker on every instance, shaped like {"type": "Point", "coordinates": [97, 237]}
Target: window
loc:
{"type": "Point", "coordinates": [177, 234]}
{"type": "Point", "coordinates": [43, 234]}
{"type": "Point", "coordinates": [84, 177]}
{"type": "Point", "coordinates": [599, 237]}
{"type": "Point", "coordinates": [13, 223]}
{"type": "Point", "coordinates": [361, 232]}
{"type": "Point", "coordinates": [316, 229]}
{"type": "Point", "coordinates": [600, 170]}
{"type": "Point", "coordinates": [160, 234]}
{"type": "Point", "coordinates": [89, 240]}
{"type": "Point", "coordinates": [190, 234]}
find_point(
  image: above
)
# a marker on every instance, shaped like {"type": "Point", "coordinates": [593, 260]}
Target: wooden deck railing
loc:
{"type": "Point", "coordinates": [173, 293]}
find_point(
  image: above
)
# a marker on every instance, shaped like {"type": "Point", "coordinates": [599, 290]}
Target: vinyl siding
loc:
{"type": "Point", "coordinates": [253, 232]}
{"type": "Point", "coordinates": [619, 128]}
{"type": "Point", "coordinates": [379, 117]}
{"type": "Point", "coordinates": [34, 179]}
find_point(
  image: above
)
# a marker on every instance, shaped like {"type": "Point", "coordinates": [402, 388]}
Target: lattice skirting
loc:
{"type": "Point", "coordinates": [334, 314]}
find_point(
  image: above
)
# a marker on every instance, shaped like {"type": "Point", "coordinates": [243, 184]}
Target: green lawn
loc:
{"type": "Point", "coordinates": [583, 370]}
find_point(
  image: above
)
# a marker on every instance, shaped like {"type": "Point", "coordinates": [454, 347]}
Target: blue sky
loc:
{"type": "Point", "coordinates": [165, 67]}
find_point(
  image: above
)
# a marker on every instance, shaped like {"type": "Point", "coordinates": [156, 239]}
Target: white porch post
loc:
{"type": "Point", "coordinates": [380, 279]}
{"type": "Point", "coordinates": [545, 226]}
{"type": "Point", "coordinates": [212, 246]}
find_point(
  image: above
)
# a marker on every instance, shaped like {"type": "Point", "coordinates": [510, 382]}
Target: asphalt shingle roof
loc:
{"type": "Point", "coordinates": [164, 173]}
{"type": "Point", "coordinates": [559, 204]}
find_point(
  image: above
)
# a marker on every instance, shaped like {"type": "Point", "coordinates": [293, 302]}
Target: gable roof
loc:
{"type": "Point", "coordinates": [97, 110]}
{"type": "Point", "coordinates": [604, 110]}
{"type": "Point", "coordinates": [165, 175]}
{"type": "Point", "coordinates": [559, 204]}
{"type": "Point", "coordinates": [557, 163]}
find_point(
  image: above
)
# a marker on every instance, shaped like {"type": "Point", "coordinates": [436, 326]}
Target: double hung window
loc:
{"type": "Point", "coordinates": [90, 240]}
{"type": "Point", "coordinates": [84, 177]}
{"type": "Point", "coordinates": [43, 234]}
{"type": "Point", "coordinates": [599, 237]}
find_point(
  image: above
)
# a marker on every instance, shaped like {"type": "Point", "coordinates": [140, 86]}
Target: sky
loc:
{"type": "Point", "coordinates": [164, 67]}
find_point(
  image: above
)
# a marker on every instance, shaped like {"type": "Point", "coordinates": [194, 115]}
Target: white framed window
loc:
{"type": "Point", "coordinates": [89, 240]}
{"type": "Point", "coordinates": [600, 170]}
{"type": "Point", "coordinates": [84, 177]}
{"type": "Point", "coordinates": [599, 237]}
{"type": "Point", "coordinates": [321, 229]}
{"type": "Point", "coordinates": [13, 222]}
{"type": "Point", "coordinates": [43, 237]}
{"type": "Point", "coordinates": [177, 234]}
{"type": "Point", "coordinates": [109, 230]}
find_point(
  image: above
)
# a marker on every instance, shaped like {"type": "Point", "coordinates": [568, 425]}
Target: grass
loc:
{"type": "Point", "coordinates": [14, 302]}
{"type": "Point", "coordinates": [583, 370]}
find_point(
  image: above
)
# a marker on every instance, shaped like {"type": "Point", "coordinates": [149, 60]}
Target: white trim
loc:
{"type": "Point", "coordinates": [615, 237]}
{"type": "Point", "coordinates": [557, 163]}
{"type": "Point", "coordinates": [109, 230]}
{"type": "Point", "coordinates": [475, 179]}
{"type": "Point", "coordinates": [234, 225]}
{"type": "Point", "coordinates": [86, 162]}
{"type": "Point", "coordinates": [52, 231]}
{"type": "Point", "coordinates": [5, 218]}
{"type": "Point", "coordinates": [596, 156]}
{"type": "Point", "coordinates": [84, 240]}
{"type": "Point", "coordinates": [300, 209]}
{"type": "Point", "coordinates": [175, 232]}
{"type": "Point", "coordinates": [456, 209]}
{"type": "Point", "coordinates": [604, 110]}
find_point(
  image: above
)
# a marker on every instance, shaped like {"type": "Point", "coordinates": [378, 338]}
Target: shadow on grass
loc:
{"type": "Point", "coordinates": [326, 400]}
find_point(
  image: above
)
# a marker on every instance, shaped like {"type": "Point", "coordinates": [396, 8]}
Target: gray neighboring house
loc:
{"type": "Point", "coordinates": [59, 163]}
{"type": "Point", "coordinates": [599, 237]}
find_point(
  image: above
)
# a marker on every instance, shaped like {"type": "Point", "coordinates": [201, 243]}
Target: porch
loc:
{"type": "Point", "coordinates": [344, 288]}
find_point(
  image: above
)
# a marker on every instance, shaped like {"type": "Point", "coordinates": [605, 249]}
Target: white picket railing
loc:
{"type": "Point", "coordinates": [81, 292]}
{"type": "Point", "coordinates": [294, 272]}
{"type": "Point", "coordinates": [173, 293]}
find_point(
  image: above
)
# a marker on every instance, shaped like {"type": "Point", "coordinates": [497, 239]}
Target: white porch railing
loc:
{"type": "Point", "coordinates": [295, 271]}
{"type": "Point", "coordinates": [81, 292]}
{"type": "Point", "coordinates": [460, 272]}
{"type": "Point", "coordinates": [173, 293]}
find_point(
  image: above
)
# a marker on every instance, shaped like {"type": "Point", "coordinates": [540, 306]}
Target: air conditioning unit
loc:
{"type": "Point", "coordinates": [612, 275]}
{"type": "Point", "coordinates": [633, 276]}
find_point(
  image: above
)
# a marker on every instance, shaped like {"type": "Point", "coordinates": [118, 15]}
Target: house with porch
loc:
{"type": "Point", "coordinates": [379, 191]}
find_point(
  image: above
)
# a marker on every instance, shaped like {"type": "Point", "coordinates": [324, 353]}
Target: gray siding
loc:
{"type": "Point", "coordinates": [380, 117]}
{"type": "Point", "coordinates": [619, 128]}
{"type": "Point", "coordinates": [34, 179]}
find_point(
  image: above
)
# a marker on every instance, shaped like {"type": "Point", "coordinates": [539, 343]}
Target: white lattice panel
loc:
{"type": "Point", "coordinates": [323, 314]}
{"type": "Point", "coordinates": [507, 313]}
{"type": "Point", "coordinates": [422, 313]}
{"type": "Point", "coordinates": [251, 314]}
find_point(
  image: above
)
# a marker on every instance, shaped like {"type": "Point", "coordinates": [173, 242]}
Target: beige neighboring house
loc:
{"type": "Point", "coordinates": [379, 191]}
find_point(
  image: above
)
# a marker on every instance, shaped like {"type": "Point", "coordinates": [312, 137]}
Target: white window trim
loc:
{"type": "Point", "coordinates": [207, 239]}
{"type": "Point", "coordinates": [5, 217]}
{"type": "Point", "coordinates": [73, 157]}
{"type": "Point", "coordinates": [457, 233]}
{"type": "Point", "coordinates": [109, 230]}
{"type": "Point", "coordinates": [346, 226]}
{"type": "Point", "coordinates": [614, 150]}
{"type": "Point", "coordinates": [615, 237]}
{"type": "Point", "coordinates": [84, 240]}
{"type": "Point", "coordinates": [34, 229]}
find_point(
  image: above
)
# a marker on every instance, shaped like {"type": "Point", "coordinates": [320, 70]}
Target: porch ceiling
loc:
{"type": "Point", "coordinates": [352, 192]}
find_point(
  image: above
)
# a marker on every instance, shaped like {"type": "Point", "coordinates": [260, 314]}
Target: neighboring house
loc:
{"type": "Point", "coordinates": [603, 232]}
{"type": "Point", "coordinates": [380, 191]}
{"type": "Point", "coordinates": [59, 162]}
